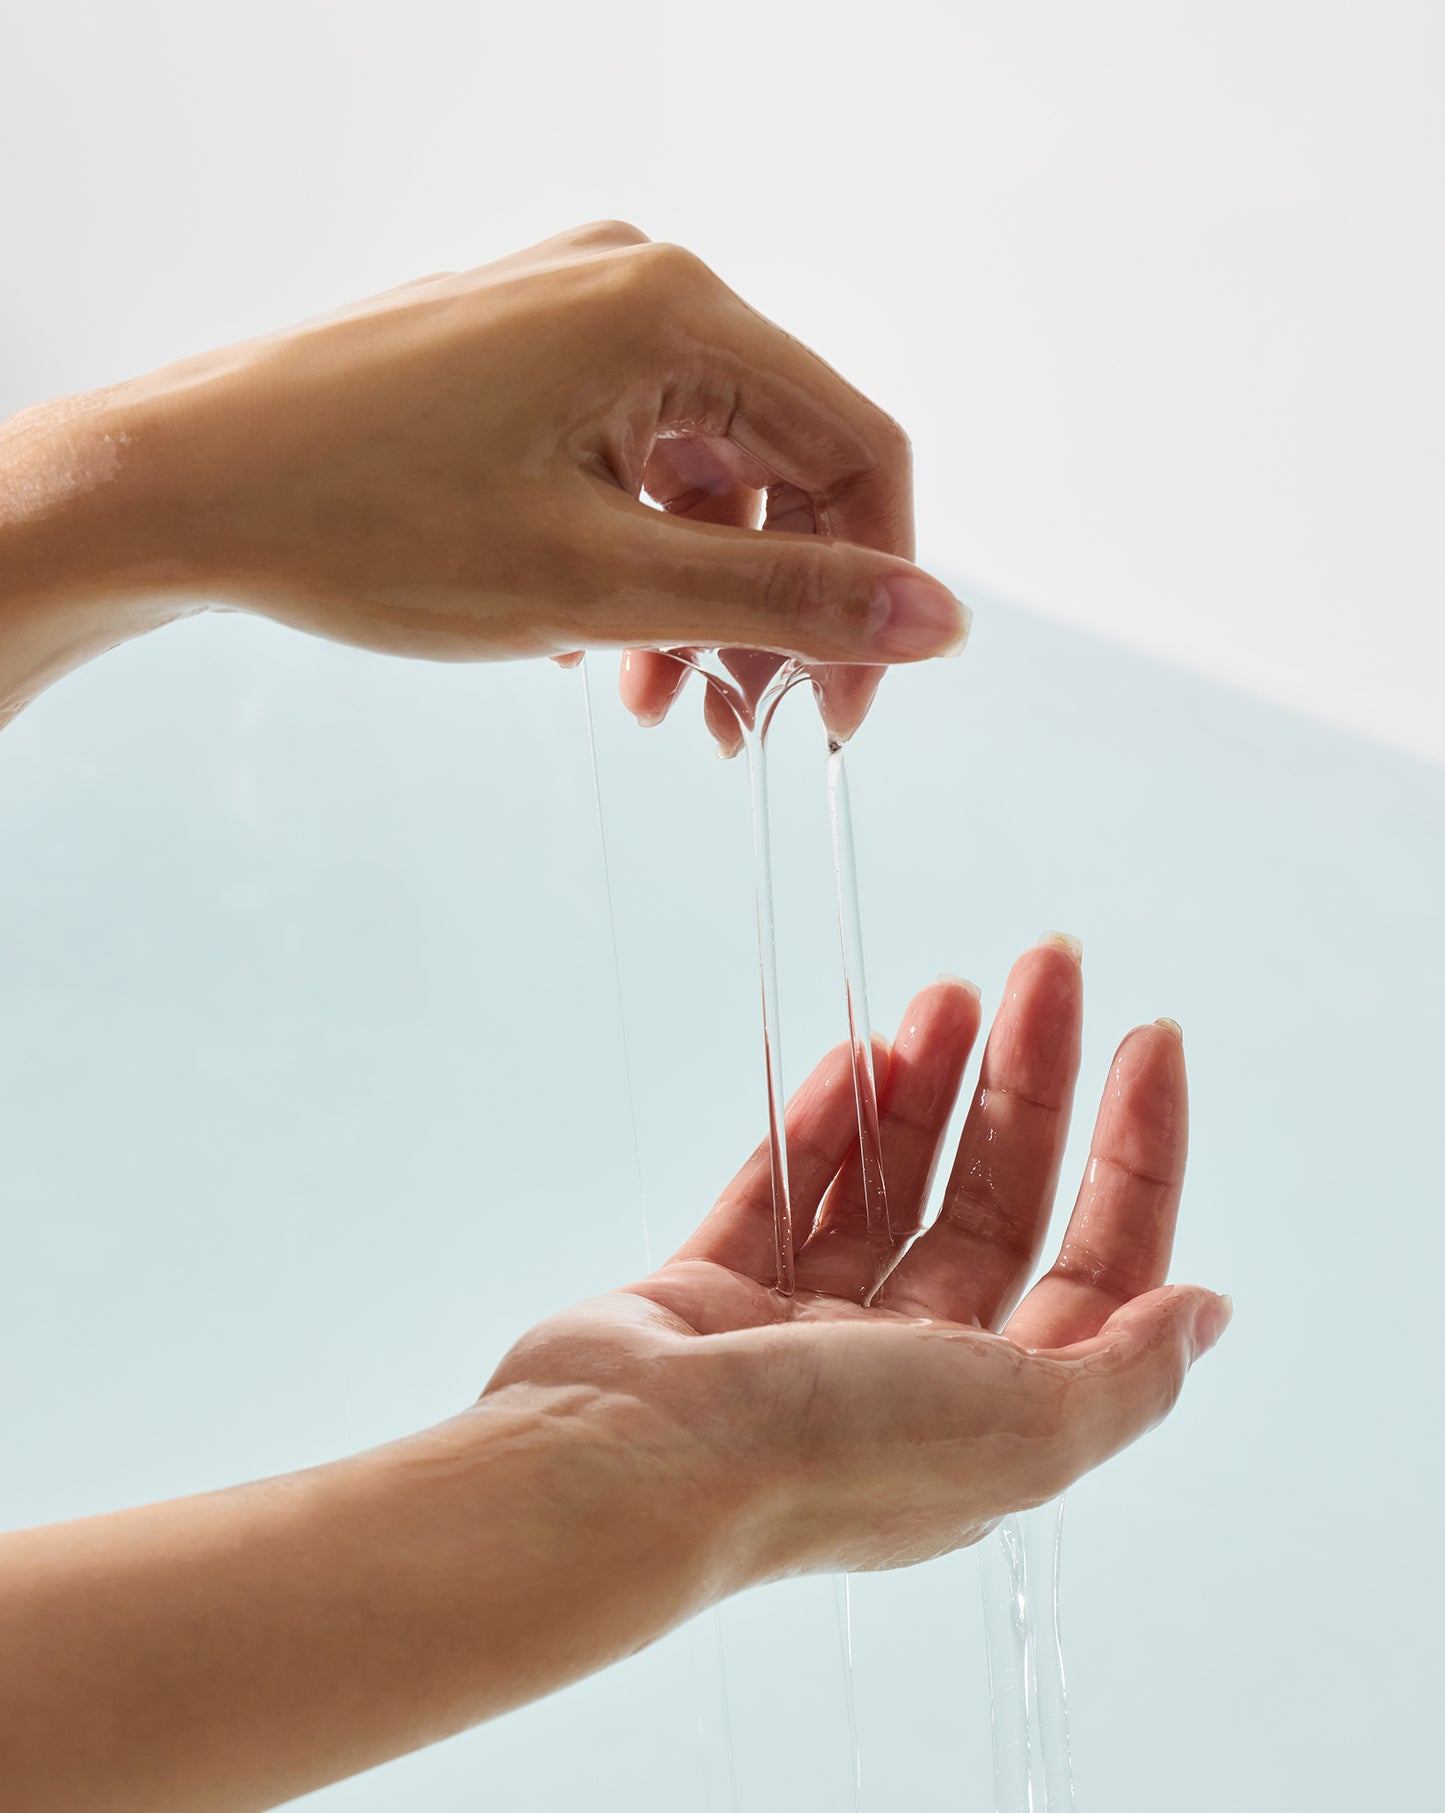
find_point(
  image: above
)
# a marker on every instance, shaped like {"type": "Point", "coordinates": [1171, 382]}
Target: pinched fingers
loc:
{"type": "Point", "coordinates": [743, 411]}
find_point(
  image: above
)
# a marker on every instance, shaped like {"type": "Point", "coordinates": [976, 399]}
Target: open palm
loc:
{"type": "Point", "coordinates": [910, 1393]}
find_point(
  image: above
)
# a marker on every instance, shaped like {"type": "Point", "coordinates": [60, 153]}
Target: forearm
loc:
{"type": "Point", "coordinates": [232, 1651]}
{"type": "Point", "coordinates": [87, 560]}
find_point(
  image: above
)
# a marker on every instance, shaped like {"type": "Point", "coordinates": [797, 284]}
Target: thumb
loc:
{"type": "Point", "coordinates": [670, 580]}
{"type": "Point", "coordinates": [1131, 1373]}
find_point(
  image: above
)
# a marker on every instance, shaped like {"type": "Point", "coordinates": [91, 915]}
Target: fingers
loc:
{"type": "Point", "coordinates": [972, 1263]}
{"type": "Point", "coordinates": [662, 580]}
{"type": "Point", "coordinates": [767, 416]}
{"type": "Point", "coordinates": [1121, 1232]}
{"type": "Point", "coordinates": [701, 479]}
{"type": "Point", "coordinates": [820, 1124]}
{"type": "Point", "coordinates": [830, 461]}
{"type": "Point", "coordinates": [845, 1257]}
{"type": "Point", "coordinates": [806, 424]}
{"type": "Point", "coordinates": [1130, 1374]}
{"type": "Point", "coordinates": [844, 695]}
{"type": "Point", "coordinates": [648, 683]}
{"type": "Point", "coordinates": [723, 722]}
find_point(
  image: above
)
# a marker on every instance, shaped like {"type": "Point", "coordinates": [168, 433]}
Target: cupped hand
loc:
{"type": "Point", "coordinates": [455, 469]}
{"type": "Point", "coordinates": [913, 1392]}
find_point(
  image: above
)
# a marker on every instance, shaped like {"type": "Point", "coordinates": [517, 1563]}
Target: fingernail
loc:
{"type": "Point", "coordinates": [1172, 1026]}
{"type": "Point", "coordinates": [947, 975]}
{"type": "Point", "coordinates": [915, 616]}
{"type": "Point", "coordinates": [1211, 1322]}
{"type": "Point", "coordinates": [649, 720]}
{"type": "Point", "coordinates": [1063, 941]}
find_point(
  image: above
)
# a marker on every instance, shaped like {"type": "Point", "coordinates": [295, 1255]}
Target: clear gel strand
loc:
{"type": "Point", "coordinates": [870, 1142]}
{"type": "Point", "coordinates": [1028, 1702]}
{"type": "Point", "coordinates": [1044, 1537]}
{"type": "Point", "coordinates": [1003, 1569]}
{"type": "Point", "coordinates": [754, 741]}
{"type": "Point", "coordinates": [714, 1713]}
{"type": "Point", "coordinates": [860, 1036]}
{"type": "Point", "coordinates": [843, 1605]}
{"type": "Point", "coordinates": [616, 964]}
{"type": "Point", "coordinates": [708, 1646]}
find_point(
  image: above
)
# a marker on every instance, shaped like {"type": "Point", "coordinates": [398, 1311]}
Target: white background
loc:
{"type": "Point", "coordinates": [1157, 289]}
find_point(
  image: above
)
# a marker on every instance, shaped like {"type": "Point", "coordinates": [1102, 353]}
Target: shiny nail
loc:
{"type": "Point", "coordinates": [1211, 1322]}
{"type": "Point", "coordinates": [915, 616]}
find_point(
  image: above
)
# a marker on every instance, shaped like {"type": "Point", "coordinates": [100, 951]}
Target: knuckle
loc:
{"type": "Point", "coordinates": [893, 442]}
{"type": "Point", "coordinates": [610, 233]}
{"type": "Point", "coordinates": [672, 269]}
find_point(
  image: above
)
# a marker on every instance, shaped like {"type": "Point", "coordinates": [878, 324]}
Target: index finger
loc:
{"type": "Point", "coordinates": [820, 448]}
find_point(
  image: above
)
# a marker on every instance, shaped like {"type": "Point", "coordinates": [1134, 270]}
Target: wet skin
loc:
{"type": "Point", "coordinates": [650, 1451]}
{"type": "Point", "coordinates": [454, 470]}
{"type": "Point", "coordinates": [910, 1394]}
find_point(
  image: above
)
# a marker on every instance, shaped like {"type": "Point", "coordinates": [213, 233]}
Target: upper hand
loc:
{"type": "Point", "coordinates": [909, 1396]}
{"type": "Point", "coordinates": [454, 469]}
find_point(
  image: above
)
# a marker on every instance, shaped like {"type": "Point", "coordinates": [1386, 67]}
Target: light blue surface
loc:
{"type": "Point", "coordinates": [312, 1101]}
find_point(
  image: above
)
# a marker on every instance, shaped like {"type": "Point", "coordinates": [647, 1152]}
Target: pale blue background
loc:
{"type": "Point", "coordinates": [312, 1100]}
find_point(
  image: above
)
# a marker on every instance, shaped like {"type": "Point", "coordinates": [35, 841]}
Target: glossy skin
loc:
{"type": "Point", "coordinates": [454, 470]}
{"type": "Point", "coordinates": [648, 1452]}
{"type": "Point", "coordinates": [906, 1383]}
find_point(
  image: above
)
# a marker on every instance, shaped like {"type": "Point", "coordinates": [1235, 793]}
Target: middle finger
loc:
{"type": "Point", "coordinates": [973, 1263]}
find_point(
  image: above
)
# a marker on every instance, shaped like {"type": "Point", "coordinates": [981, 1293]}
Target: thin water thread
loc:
{"type": "Point", "coordinates": [843, 1605]}
{"type": "Point", "coordinates": [1038, 1730]}
{"type": "Point", "coordinates": [1004, 1580]}
{"type": "Point", "coordinates": [1028, 1701]}
{"type": "Point", "coordinates": [616, 965]}
{"type": "Point", "coordinates": [715, 1616]}
{"type": "Point", "coordinates": [1055, 1745]}
{"type": "Point", "coordinates": [865, 1097]}
{"type": "Point", "coordinates": [772, 1030]}
{"type": "Point", "coordinates": [754, 724]}
{"type": "Point", "coordinates": [855, 988]}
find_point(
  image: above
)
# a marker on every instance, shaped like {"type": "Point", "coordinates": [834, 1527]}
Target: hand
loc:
{"type": "Point", "coordinates": [900, 1404]}
{"type": "Point", "coordinates": [453, 469]}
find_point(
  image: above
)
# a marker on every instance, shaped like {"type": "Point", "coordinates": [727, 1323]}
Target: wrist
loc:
{"type": "Point", "coordinates": [86, 558]}
{"type": "Point", "coordinates": [540, 1535]}
{"type": "Point", "coordinates": [652, 1492]}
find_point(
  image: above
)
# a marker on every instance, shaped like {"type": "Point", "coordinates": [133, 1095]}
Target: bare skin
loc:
{"type": "Point", "coordinates": [650, 1451]}
{"type": "Point", "coordinates": [454, 470]}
